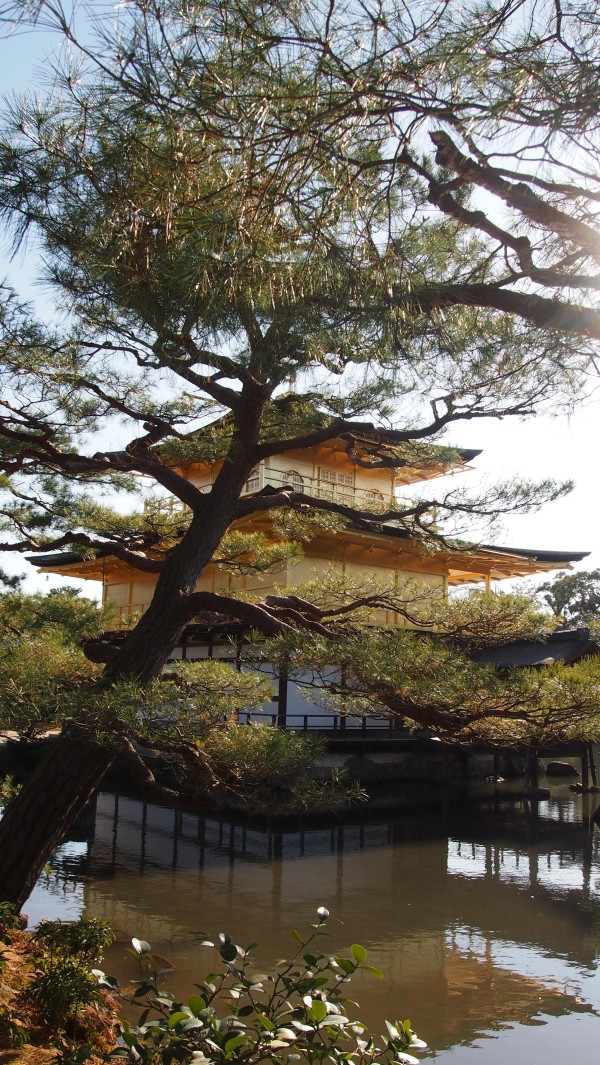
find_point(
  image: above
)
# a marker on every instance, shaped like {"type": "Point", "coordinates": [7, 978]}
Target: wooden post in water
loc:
{"type": "Point", "coordinates": [585, 766]}
{"type": "Point", "coordinates": [531, 769]}
{"type": "Point", "coordinates": [592, 762]}
{"type": "Point", "coordinates": [496, 766]}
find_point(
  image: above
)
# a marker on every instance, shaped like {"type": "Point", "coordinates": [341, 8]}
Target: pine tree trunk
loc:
{"type": "Point", "coordinates": [37, 820]}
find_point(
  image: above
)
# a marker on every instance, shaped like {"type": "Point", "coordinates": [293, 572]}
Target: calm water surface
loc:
{"type": "Point", "coordinates": [485, 921]}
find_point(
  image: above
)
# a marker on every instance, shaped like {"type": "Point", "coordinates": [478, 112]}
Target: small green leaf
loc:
{"type": "Point", "coordinates": [196, 1004]}
{"type": "Point", "coordinates": [318, 1010]}
{"type": "Point", "coordinates": [175, 1018]}
{"type": "Point", "coordinates": [358, 953]}
{"type": "Point", "coordinates": [266, 1023]}
{"type": "Point", "coordinates": [235, 1042]}
{"type": "Point", "coordinates": [374, 972]}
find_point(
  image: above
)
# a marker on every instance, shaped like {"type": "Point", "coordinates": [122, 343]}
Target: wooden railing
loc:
{"type": "Point", "coordinates": [359, 498]}
{"type": "Point", "coordinates": [336, 726]}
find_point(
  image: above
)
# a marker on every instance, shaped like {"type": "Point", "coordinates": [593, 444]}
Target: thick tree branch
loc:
{"type": "Point", "coordinates": [516, 195]}
{"type": "Point", "coordinates": [148, 786]}
{"type": "Point", "coordinates": [253, 615]}
{"type": "Point", "coordinates": [544, 313]}
{"type": "Point", "coordinates": [138, 559]}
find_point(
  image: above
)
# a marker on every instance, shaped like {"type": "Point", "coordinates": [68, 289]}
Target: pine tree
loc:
{"type": "Point", "coordinates": [262, 224]}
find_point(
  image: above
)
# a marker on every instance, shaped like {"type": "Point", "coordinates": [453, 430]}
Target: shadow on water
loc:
{"type": "Point", "coordinates": [484, 917]}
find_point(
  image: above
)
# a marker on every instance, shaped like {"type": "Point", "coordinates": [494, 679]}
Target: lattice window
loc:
{"type": "Point", "coordinates": [372, 495]}
{"type": "Point", "coordinates": [253, 482]}
{"type": "Point", "coordinates": [335, 476]}
{"type": "Point", "coordinates": [295, 479]}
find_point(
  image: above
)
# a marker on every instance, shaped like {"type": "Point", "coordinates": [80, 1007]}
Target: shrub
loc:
{"type": "Point", "coordinates": [297, 1013]}
{"type": "Point", "coordinates": [63, 983]}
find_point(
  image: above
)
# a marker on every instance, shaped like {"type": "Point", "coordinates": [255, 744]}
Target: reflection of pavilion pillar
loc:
{"type": "Point", "coordinates": [533, 820]}
{"type": "Point", "coordinates": [339, 871]}
{"type": "Point", "coordinates": [201, 840]}
{"type": "Point", "coordinates": [276, 875]}
{"type": "Point", "coordinates": [83, 828]}
{"type": "Point", "coordinates": [176, 832]}
{"type": "Point", "coordinates": [115, 831]}
{"type": "Point", "coordinates": [143, 837]}
{"type": "Point", "coordinates": [587, 851]}
{"type": "Point", "coordinates": [533, 863]}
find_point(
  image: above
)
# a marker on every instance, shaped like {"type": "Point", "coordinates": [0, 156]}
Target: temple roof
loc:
{"type": "Point", "coordinates": [564, 645]}
{"type": "Point", "coordinates": [466, 564]}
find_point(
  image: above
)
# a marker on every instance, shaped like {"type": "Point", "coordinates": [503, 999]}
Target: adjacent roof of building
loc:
{"type": "Point", "coordinates": [564, 645]}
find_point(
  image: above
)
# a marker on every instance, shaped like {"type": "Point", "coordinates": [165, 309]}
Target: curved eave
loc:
{"type": "Point", "coordinates": [70, 564]}
{"type": "Point", "coordinates": [482, 563]}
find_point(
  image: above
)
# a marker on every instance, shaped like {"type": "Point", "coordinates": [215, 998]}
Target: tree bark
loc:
{"type": "Point", "coordinates": [37, 819]}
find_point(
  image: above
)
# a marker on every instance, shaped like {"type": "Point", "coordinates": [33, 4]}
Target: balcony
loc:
{"type": "Point", "coordinates": [331, 485]}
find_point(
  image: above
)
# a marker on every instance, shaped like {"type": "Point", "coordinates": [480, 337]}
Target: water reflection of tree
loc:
{"type": "Point", "coordinates": [429, 908]}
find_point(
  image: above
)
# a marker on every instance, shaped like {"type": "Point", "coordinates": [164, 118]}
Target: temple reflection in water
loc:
{"type": "Point", "coordinates": [482, 925]}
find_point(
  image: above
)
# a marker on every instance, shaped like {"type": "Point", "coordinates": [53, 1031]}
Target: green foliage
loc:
{"type": "Point", "coordinates": [60, 990]}
{"type": "Point", "coordinates": [267, 232]}
{"type": "Point", "coordinates": [13, 1030]}
{"type": "Point", "coordinates": [429, 677]}
{"type": "Point", "coordinates": [243, 552]}
{"type": "Point", "coordinates": [190, 699]}
{"type": "Point", "coordinates": [65, 610]}
{"type": "Point", "coordinates": [85, 939]}
{"type": "Point", "coordinates": [265, 768]}
{"type": "Point", "coordinates": [63, 984]}
{"type": "Point", "coordinates": [9, 920]}
{"type": "Point", "coordinates": [573, 598]}
{"type": "Point", "coordinates": [38, 674]}
{"type": "Point", "coordinates": [237, 1015]}
{"type": "Point", "coordinates": [490, 619]}
{"type": "Point", "coordinates": [8, 789]}
{"type": "Point", "coordinates": [190, 715]}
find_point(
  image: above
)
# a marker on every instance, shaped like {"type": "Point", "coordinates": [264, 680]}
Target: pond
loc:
{"type": "Point", "coordinates": [485, 918]}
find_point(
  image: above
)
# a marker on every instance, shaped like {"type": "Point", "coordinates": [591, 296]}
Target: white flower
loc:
{"type": "Point", "coordinates": [199, 1058]}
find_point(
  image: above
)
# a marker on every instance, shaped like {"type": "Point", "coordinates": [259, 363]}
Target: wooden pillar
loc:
{"type": "Point", "coordinates": [585, 766]}
{"type": "Point", "coordinates": [282, 699]}
{"type": "Point", "coordinates": [592, 763]}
